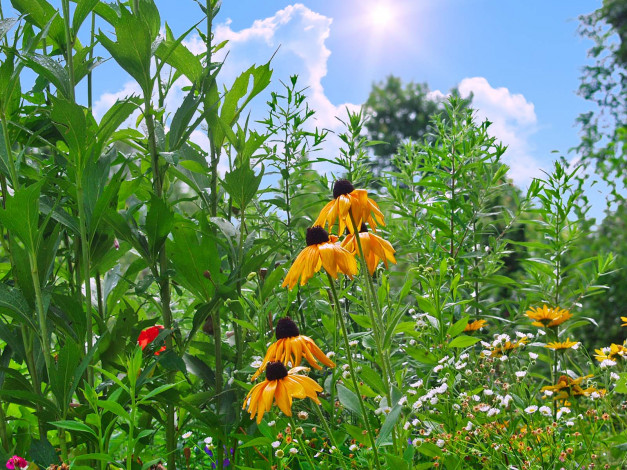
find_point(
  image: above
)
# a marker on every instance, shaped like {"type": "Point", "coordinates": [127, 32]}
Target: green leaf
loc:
{"type": "Point", "coordinates": [74, 426]}
{"type": "Point", "coordinates": [174, 53]}
{"type": "Point", "coordinates": [69, 118]}
{"type": "Point", "coordinates": [42, 453]}
{"type": "Point", "coordinates": [6, 25]}
{"type": "Point", "coordinates": [133, 48]}
{"type": "Point", "coordinates": [62, 378]}
{"type": "Point", "coordinates": [21, 215]}
{"type": "Point", "coordinates": [159, 222]}
{"type": "Point", "coordinates": [180, 129]}
{"type": "Point", "coordinates": [194, 166]}
{"type": "Point", "coordinates": [115, 408]}
{"type": "Point", "coordinates": [52, 70]}
{"type": "Point", "coordinates": [13, 301]}
{"type": "Point", "coordinates": [83, 8]}
{"type": "Point", "coordinates": [41, 13]}
{"type": "Point", "coordinates": [463, 341]}
{"type": "Point", "coordinates": [388, 425]}
{"type": "Point", "coordinates": [621, 384]}
{"type": "Point", "coordinates": [457, 327]}
{"type": "Point", "coordinates": [242, 185]}
{"type": "Point", "coordinates": [348, 399]}
{"type": "Point", "coordinates": [195, 259]}
{"type": "Point", "coordinates": [257, 442]}
{"type": "Point", "coordinates": [429, 449]}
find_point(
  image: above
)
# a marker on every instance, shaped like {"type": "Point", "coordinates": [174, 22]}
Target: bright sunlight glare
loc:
{"type": "Point", "coordinates": [382, 15]}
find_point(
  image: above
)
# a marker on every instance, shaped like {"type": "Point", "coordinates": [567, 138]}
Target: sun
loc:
{"type": "Point", "coordinates": [381, 15]}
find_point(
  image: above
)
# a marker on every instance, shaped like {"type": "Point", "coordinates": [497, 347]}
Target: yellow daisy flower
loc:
{"type": "Point", "coordinates": [548, 317]}
{"type": "Point", "coordinates": [475, 325]}
{"type": "Point", "coordinates": [624, 319]}
{"type": "Point", "coordinates": [291, 346]}
{"type": "Point", "coordinates": [562, 345]}
{"type": "Point", "coordinates": [321, 251]}
{"type": "Point", "coordinates": [612, 353]}
{"type": "Point", "coordinates": [498, 351]}
{"type": "Point", "coordinates": [375, 248]}
{"type": "Point", "coordinates": [281, 387]}
{"type": "Point", "coordinates": [345, 199]}
{"type": "Point", "coordinates": [567, 387]}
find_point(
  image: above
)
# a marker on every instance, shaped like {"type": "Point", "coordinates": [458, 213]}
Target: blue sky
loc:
{"type": "Point", "coordinates": [521, 60]}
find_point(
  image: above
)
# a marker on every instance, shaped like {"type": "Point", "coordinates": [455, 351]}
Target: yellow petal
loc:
{"type": "Point", "coordinates": [282, 398]}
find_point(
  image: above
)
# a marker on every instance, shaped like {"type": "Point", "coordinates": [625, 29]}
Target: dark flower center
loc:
{"type": "Point", "coordinates": [342, 187]}
{"type": "Point", "coordinates": [286, 328]}
{"type": "Point", "coordinates": [316, 235]}
{"type": "Point", "coordinates": [363, 228]}
{"type": "Point", "coordinates": [275, 371]}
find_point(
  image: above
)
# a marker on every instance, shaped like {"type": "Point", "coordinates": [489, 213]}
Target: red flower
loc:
{"type": "Point", "coordinates": [16, 463]}
{"type": "Point", "coordinates": [148, 335]}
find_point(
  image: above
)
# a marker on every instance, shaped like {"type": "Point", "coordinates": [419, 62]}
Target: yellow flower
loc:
{"type": "Point", "coordinates": [291, 346]}
{"type": "Point", "coordinates": [475, 325]}
{"type": "Point", "coordinates": [375, 248]}
{"type": "Point", "coordinates": [281, 387]}
{"type": "Point", "coordinates": [346, 199]}
{"type": "Point", "coordinates": [321, 251]}
{"type": "Point", "coordinates": [546, 316]}
{"type": "Point", "coordinates": [625, 320]}
{"type": "Point", "coordinates": [562, 345]}
{"type": "Point", "coordinates": [498, 351]}
{"type": "Point", "coordinates": [612, 353]}
{"type": "Point", "coordinates": [567, 387]}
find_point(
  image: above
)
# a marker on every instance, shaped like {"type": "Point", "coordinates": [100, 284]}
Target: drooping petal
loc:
{"type": "Point", "coordinates": [327, 255]}
{"type": "Point", "coordinates": [313, 348]}
{"type": "Point", "coordinates": [282, 398]}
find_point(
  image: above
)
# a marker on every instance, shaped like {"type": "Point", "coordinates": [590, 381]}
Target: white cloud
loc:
{"type": "Point", "coordinates": [514, 121]}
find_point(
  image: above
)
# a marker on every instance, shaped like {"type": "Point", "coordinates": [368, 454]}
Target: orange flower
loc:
{"type": "Point", "coordinates": [321, 251]}
{"type": "Point", "coordinates": [291, 346]}
{"type": "Point", "coordinates": [148, 335]}
{"type": "Point", "coordinates": [347, 199]}
{"type": "Point", "coordinates": [546, 316]}
{"type": "Point", "coordinates": [475, 325]}
{"type": "Point", "coordinates": [281, 387]}
{"type": "Point", "coordinates": [375, 248]}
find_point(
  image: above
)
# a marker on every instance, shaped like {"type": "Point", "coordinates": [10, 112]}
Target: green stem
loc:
{"type": "Point", "coordinates": [69, 47]}
{"type": "Point", "coordinates": [15, 182]}
{"type": "Point", "coordinates": [86, 265]}
{"type": "Point", "coordinates": [353, 372]}
{"type": "Point", "coordinates": [371, 298]}
{"type": "Point", "coordinates": [43, 328]}
{"type": "Point", "coordinates": [91, 57]}
{"type": "Point", "coordinates": [327, 428]}
{"type": "Point", "coordinates": [301, 443]}
{"type": "Point", "coordinates": [4, 439]}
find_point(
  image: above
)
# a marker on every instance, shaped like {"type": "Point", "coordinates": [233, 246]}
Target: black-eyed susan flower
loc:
{"type": "Point", "coordinates": [548, 317]}
{"type": "Point", "coordinates": [624, 319]}
{"type": "Point", "coordinates": [321, 251]}
{"type": "Point", "coordinates": [281, 387]}
{"type": "Point", "coordinates": [475, 325]}
{"type": "Point", "coordinates": [375, 248]}
{"type": "Point", "coordinates": [291, 347]}
{"type": "Point", "coordinates": [347, 199]}
{"type": "Point", "coordinates": [562, 345]}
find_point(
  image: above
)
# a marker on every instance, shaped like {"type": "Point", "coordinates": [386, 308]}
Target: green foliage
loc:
{"type": "Point", "coordinates": [397, 113]}
{"type": "Point", "coordinates": [116, 233]}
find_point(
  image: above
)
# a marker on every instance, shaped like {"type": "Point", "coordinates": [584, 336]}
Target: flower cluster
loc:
{"type": "Point", "coordinates": [352, 208]}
